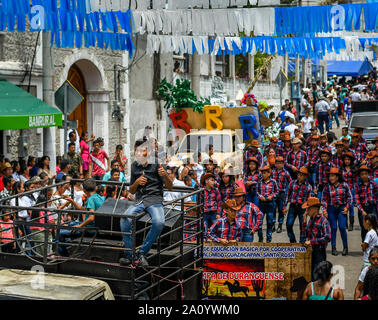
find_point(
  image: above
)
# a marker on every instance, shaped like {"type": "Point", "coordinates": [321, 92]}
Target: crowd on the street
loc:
{"type": "Point", "coordinates": [302, 173]}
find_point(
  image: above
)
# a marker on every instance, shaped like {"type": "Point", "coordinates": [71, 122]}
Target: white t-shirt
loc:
{"type": "Point", "coordinates": [355, 96]}
{"type": "Point", "coordinates": [25, 202]}
{"type": "Point", "coordinates": [291, 128]}
{"type": "Point", "coordinates": [307, 124]}
{"type": "Point", "coordinates": [363, 273]}
{"type": "Point", "coordinates": [333, 105]}
{"type": "Point", "coordinates": [371, 238]}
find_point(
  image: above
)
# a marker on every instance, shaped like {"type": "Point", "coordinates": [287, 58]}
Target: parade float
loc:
{"type": "Point", "coordinates": [228, 128]}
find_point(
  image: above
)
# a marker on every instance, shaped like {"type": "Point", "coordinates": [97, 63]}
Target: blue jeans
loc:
{"type": "Point", "coordinates": [295, 210]}
{"type": "Point", "coordinates": [323, 117]}
{"type": "Point", "coordinates": [279, 205]}
{"type": "Point", "coordinates": [351, 208]}
{"type": "Point", "coordinates": [66, 235]}
{"type": "Point", "coordinates": [156, 213]}
{"type": "Point", "coordinates": [246, 235]}
{"type": "Point", "coordinates": [268, 209]}
{"type": "Point", "coordinates": [252, 197]}
{"type": "Point", "coordinates": [336, 216]}
{"type": "Point", "coordinates": [336, 116]}
{"type": "Point", "coordinates": [318, 255]}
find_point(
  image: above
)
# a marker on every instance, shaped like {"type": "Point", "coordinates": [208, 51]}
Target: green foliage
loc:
{"type": "Point", "coordinates": [180, 96]}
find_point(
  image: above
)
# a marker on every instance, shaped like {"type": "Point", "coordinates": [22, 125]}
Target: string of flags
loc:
{"type": "Point", "coordinates": [305, 47]}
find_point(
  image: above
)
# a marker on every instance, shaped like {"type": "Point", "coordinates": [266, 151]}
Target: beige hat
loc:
{"type": "Point", "coordinates": [296, 140]}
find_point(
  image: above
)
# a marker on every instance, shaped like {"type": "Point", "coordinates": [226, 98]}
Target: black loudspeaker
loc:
{"type": "Point", "coordinates": [109, 223]}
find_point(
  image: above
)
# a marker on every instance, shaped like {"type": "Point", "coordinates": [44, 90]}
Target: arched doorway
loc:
{"type": "Point", "coordinates": [75, 77]}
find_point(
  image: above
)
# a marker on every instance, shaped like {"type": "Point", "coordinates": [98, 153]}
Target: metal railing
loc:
{"type": "Point", "coordinates": [172, 263]}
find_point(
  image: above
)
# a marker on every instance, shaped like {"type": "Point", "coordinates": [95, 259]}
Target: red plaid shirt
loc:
{"type": "Point", "coordinates": [249, 154]}
{"type": "Point", "coordinates": [223, 229]}
{"type": "Point", "coordinates": [337, 161]}
{"type": "Point", "coordinates": [360, 151]}
{"type": "Point", "coordinates": [226, 192]}
{"type": "Point", "coordinates": [255, 177]}
{"type": "Point", "coordinates": [267, 189]}
{"type": "Point", "coordinates": [366, 194]}
{"type": "Point", "coordinates": [297, 160]}
{"type": "Point", "coordinates": [349, 177]}
{"type": "Point", "coordinates": [282, 152]}
{"type": "Point", "coordinates": [321, 170]}
{"type": "Point", "coordinates": [374, 171]}
{"type": "Point", "coordinates": [212, 201]}
{"type": "Point", "coordinates": [250, 217]}
{"type": "Point", "coordinates": [312, 157]}
{"type": "Point", "coordinates": [282, 178]}
{"type": "Point", "coordinates": [298, 193]}
{"type": "Point", "coordinates": [337, 195]}
{"type": "Point", "coordinates": [317, 231]}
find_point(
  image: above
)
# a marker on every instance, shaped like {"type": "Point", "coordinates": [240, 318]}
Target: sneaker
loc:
{"type": "Point", "coordinates": [142, 261]}
{"type": "Point", "coordinates": [124, 262]}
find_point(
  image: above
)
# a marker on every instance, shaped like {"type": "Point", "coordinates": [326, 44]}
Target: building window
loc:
{"type": "Point", "coordinates": [181, 63]}
{"type": "Point", "coordinates": [241, 67]}
{"type": "Point", "coordinates": [222, 65]}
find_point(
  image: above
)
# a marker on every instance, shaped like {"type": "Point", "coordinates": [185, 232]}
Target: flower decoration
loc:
{"type": "Point", "coordinates": [251, 96]}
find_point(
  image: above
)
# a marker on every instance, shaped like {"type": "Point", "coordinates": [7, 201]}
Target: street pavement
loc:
{"type": "Point", "coordinates": [349, 265]}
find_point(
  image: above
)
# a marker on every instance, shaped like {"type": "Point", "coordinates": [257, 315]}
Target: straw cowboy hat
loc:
{"type": "Point", "coordinates": [231, 204]}
{"type": "Point", "coordinates": [296, 140]}
{"type": "Point", "coordinates": [311, 202]}
{"type": "Point", "coordinates": [303, 170]}
{"type": "Point", "coordinates": [334, 171]}
{"type": "Point", "coordinates": [265, 168]}
{"type": "Point", "coordinates": [363, 168]}
{"type": "Point", "coordinates": [238, 192]}
{"type": "Point", "coordinates": [372, 154]}
{"type": "Point", "coordinates": [255, 144]}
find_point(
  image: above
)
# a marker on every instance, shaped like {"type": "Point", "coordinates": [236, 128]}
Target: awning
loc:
{"type": "Point", "coordinates": [21, 110]}
{"type": "Point", "coordinates": [348, 68]}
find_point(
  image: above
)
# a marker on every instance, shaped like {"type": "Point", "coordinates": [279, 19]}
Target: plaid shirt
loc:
{"type": "Point", "coordinates": [267, 189]}
{"type": "Point", "coordinates": [226, 192]}
{"type": "Point", "coordinates": [256, 177]}
{"type": "Point", "coordinates": [312, 157]}
{"type": "Point", "coordinates": [317, 231]}
{"type": "Point", "coordinates": [337, 161]}
{"type": "Point", "coordinates": [360, 151]}
{"type": "Point", "coordinates": [282, 178]}
{"type": "Point", "coordinates": [249, 154]}
{"type": "Point", "coordinates": [250, 217]}
{"type": "Point", "coordinates": [326, 146]}
{"type": "Point", "coordinates": [212, 201]}
{"type": "Point", "coordinates": [297, 160]}
{"type": "Point", "coordinates": [350, 178]}
{"type": "Point", "coordinates": [366, 194]}
{"type": "Point", "coordinates": [321, 170]}
{"type": "Point", "coordinates": [298, 193]}
{"type": "Point", "coordinates": [282, 152]}
{"type": "Point", "coordinates": [337, 196]}
{"type": "Point", "coordinates": [223, 229]}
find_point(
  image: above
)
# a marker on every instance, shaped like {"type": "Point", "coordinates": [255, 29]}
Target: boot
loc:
{"type": "Point", "coordinates": [274, 228]}
{"type": "Point", "coordinates": [279, 229]}
{"type": "Point", "coordinates": [334, 252]}
{"type": "Point", "coordinates": [345, 251]}
{"type": "Point", "coordinates": [351, 223]}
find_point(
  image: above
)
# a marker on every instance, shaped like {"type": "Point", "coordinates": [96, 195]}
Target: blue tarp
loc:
{"type": "Point", "coordinates": [348, 68]}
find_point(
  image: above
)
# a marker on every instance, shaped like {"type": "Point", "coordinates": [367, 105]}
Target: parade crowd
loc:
{"type": "Point", "coordinates": [304, 172]}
